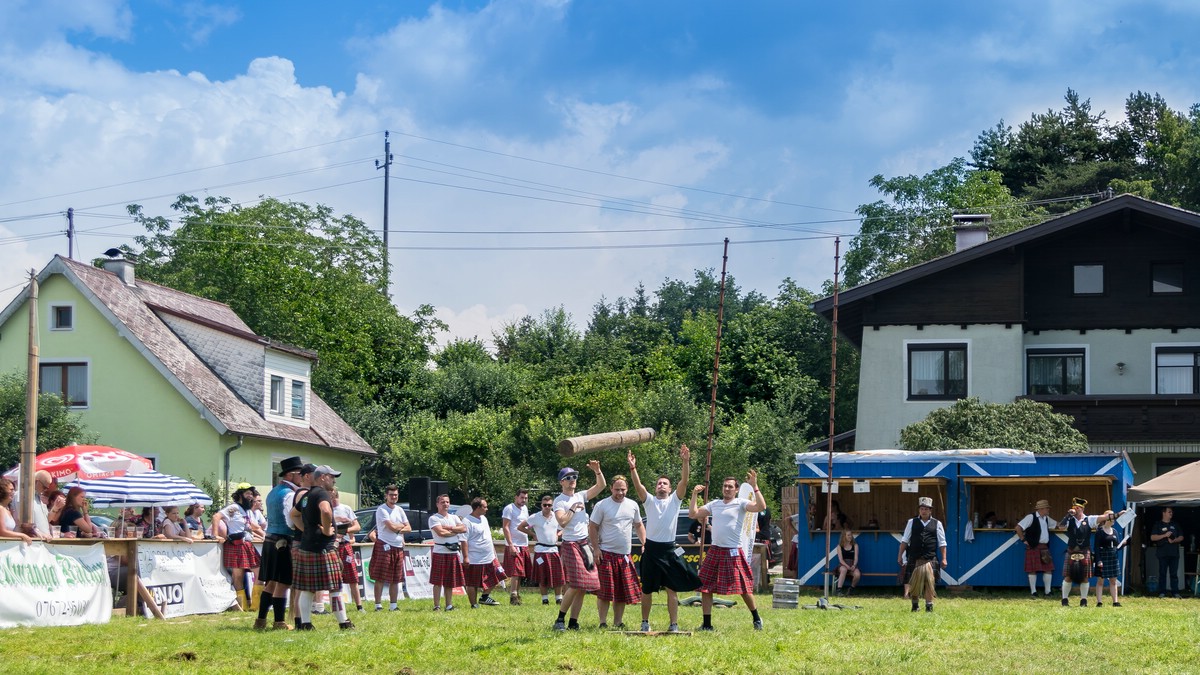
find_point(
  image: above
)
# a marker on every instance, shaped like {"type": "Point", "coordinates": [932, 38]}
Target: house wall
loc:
{"type": "Point", "coordinates": [1106, 348]}
{"type": "Point", "coordinates": [253, 463]}
{"type": "Point", "coordinates": [883, 408]}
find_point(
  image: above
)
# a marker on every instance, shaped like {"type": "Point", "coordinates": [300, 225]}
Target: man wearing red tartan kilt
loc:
{"type": "Point", "coordinates": [387, 556]}
{"type": "Point", "coordinates": [315, 563]}
{"type": "Point", "coordinates": [579, 569]}
{"type": "Point", "coordinates": [547, 570]}
{"type": "Point", "coordinates": [725, 570]}
{"type": "Point", "coordinates": [1034, 530]}
{"type": "Point", "coordinates": [445, 571]}
{"type": "Point", "coordinates": [613, 523]}
{"type": "Point", "coordinates": [481, 571]}
{"type": "Point", "coordinates": [231, 528]}
{"type": "Point", "coordinates": [345, 523]}
{"type": "Point", "coordinates": [516, 544]}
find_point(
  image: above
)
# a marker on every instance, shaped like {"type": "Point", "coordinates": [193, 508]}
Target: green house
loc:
{"type": "Point", "coordinates": [176, 377]}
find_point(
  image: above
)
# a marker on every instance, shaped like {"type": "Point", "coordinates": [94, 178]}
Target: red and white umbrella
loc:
{"type": "Point", "coordinates": [88, 462]}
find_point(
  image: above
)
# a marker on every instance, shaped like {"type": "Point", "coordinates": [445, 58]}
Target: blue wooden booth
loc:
{"type": "Point", "coordinates": [877, 490]}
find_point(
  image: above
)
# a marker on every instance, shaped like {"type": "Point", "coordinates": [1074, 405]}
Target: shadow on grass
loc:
{"type": "Point", "coordinates": [507, 641]}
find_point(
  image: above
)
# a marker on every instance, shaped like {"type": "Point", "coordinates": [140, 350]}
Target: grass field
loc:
{"type": "Point", "coordinates": [967, 632]}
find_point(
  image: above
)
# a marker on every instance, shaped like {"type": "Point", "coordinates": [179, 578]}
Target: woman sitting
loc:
{"type": "Point", "coordinates": [847, 562]}
{"type": "Point", "coordinates": [8, 524]}
{"type": "Point", "coordinates": [193, 517]}
{"type": "Point", "coordinates": [74, 519]}
{"type": "Point", "coordinates": [173, 527]}
{"type": "Point", "coordinates": [56, 501]}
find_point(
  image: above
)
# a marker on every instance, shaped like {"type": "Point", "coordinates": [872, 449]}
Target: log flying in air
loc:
{"type": "Point", "coordinates": [581, 445]}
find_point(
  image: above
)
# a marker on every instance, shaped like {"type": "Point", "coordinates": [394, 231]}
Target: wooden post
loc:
{"type": "Point", "coordinates": [29, 444]}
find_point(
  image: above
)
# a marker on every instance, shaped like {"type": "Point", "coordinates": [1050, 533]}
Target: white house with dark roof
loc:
{"type": "Point", "coordinates": [176, 377]}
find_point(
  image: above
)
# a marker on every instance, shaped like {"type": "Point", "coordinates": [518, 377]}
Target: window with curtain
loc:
{"type": "Point", "coordinates": [937, 371]}
{"type": "Point", "coordinates": [1176, 371]}
{"type": "Point", "coordinates": [68, 380]}
{"type": "Point", "coordinates": [1054, 372]}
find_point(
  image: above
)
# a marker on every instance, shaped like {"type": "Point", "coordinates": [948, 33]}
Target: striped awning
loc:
{"type": "Point", "coordinates": [150, 488]}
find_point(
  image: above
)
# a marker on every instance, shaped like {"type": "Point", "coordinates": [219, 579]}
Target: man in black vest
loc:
{"type": "Point", "coordinates": [1077, 562]}
{"type": "Point", "coordinates": [923, 540]}
{"type": "Point", "coordinates": [1035, 530]}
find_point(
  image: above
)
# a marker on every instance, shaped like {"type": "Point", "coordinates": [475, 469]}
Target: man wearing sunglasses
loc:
{"type": "Point", "coordinates": [570, 509]}
{"type": "Point", "coordinates": [547, 568]}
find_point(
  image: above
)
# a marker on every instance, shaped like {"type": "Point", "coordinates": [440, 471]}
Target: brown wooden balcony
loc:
{"type": "Point", "coordinates": [1124, 417]}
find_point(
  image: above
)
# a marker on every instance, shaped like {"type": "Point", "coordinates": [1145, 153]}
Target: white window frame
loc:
{"type": "Point", "coordinates": [273, 406]}
{"type": "Point", "coordinates": [284, 414]}
{"type": "Point", "coordinates": [52, 319]}
{"type": "Point", "coordinates": [291, 399]}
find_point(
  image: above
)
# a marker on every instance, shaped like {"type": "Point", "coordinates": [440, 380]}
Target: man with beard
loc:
{"type": "Point", "coordinates": [316, 565]}
{"type": "Point", "coordinates": [923, 539]}
{"type": "Point", "coordinates": [611, 530]}
{"type": "Point", "coordinates": [481, 570]}
{"type": "Point", "coordinates": [276, 567]}
{"type": "Point", "coordinates": [387, 556]}
{"type": "Point", "coordinates": [1034, 529]}
{"type": "Point", "coordinates": [570, 508]}
{"type": "Point", "coordinates": [662, 559]}
{"type": "Point", "coordinates": [725, 570]}
{"type": "Point", "coordinates": [516, 544]}
{"type": "Point", "coordinates": [445, 571]}
{"type": "Point", "coordinates": [237, 548]}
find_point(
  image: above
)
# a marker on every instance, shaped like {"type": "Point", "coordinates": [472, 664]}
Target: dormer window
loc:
{"type": "Point", "coordinates": [286, 396]}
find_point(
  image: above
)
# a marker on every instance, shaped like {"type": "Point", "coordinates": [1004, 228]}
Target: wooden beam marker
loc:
{"type": "Point", "coordinates": [582, 445]}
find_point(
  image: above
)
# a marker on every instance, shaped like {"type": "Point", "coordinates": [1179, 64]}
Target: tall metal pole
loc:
{"type": "Point", "coordinates": [29, 443]}
{"type": "Point", "coordinates": [712, 409]}
{"type": "Point", "coordinates": [832, 408]}
{"type": "Point", "coordinates": [386, 165]}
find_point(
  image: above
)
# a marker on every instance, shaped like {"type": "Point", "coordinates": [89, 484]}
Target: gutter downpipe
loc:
{"type": "Point", "coordinates": [228, 452]}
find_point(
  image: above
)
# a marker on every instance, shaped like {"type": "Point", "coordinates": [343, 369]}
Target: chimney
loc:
{"type": "Point", "coordinates": [121, 267]}
{"type": "Point", "coordinates": [970, 229]}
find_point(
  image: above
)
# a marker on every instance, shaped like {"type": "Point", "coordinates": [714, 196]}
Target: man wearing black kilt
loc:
{"type": "Point", "coordinates": [316, 566]}
{"type": "Point", "coordinates": [276, 568]}
{"type": "Point", "coordinates": [662, 559]}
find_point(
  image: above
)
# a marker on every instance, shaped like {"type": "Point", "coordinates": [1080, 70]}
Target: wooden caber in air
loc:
{"type": "Point", "coordinates": [581, 445]}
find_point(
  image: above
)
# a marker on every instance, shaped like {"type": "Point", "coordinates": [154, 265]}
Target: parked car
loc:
{"type": "Point", "coordinates": [417, 518]}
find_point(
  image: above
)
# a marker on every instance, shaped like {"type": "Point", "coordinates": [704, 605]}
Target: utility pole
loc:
{"type": "Point", "coordinates": [29, 446]}
{"type": "Point", "coordinates": [386, 165]}
{"type": "Point", "coordinates": [71, 233]}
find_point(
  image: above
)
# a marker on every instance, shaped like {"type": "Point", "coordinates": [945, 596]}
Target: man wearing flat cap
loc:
{"type": "Point", "coordinates": [1034, 530]}
{"type": "Point", "coordinates": [1077, 562]}
{"type": "Point", "coordinates": [924, 538]}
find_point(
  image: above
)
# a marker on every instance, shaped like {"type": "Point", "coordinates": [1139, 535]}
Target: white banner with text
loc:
{"type": "Point", "coordinates": [185, 578]}
{"type": "Point", "coordinates": [48, 585]}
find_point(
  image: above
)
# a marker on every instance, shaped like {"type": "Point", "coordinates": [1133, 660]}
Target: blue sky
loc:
{"type": "Point", "coordinates": [652, 128]}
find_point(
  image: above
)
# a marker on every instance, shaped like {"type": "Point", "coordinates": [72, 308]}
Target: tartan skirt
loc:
{"type": "Point", "coordinates": [576, 575]}
{"type": "Point", "coordinates": [484, 575]}
{"type": "Point", "coordinates": [1033, 560]}
{"type": "Point", "coordinates": [345, 553]}
{"type": "Point", "coordinates": [387, 567]}
{"type": "Point", "coordinates": [276, 560]}
{"type": "Point", "coordinates": [320, 571]}
{"type": "Point", "coordinates": [1085, 565]}
{"type": "Point", "coordinates": [517, 561]}
{"type": "Point", "coordinates": [661, 568]}
{"type": "Point", "coordinates": [446, 570]}
{"type": "Point", "coordinates": [239, 555]}
{"type": "Point", "coordinates": [548, 570]}
{"type": "Point", "coordinates": [1108, 564]}
{"type": "Point", "coordinates": [725, 571]}
{"type": "Point", "coordinates": [618, 579]}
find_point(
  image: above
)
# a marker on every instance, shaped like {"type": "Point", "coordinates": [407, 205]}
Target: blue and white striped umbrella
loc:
{"type": "Point", "coordinates": [150, 488]}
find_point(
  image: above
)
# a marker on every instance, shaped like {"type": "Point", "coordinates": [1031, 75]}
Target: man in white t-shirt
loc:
{"type": "Point", "coordinates": [547, 564]}
{"type": "Point", "coordinates": [445, 570]}
{"type": "Point", "coordinates": [481, 569]}
{"type": "Point", "coordinates": [517, 562]}
{"type": "Point", "coordinates": [570, 508]}
{"type": "Point", "coordinates": [725, 570]}
{"type": "Point", "coordinates": [662, 559]}
{"type": "Point", "coordinates": [387, 555]}
{"type": "Point", "coordinates": [614, 520]}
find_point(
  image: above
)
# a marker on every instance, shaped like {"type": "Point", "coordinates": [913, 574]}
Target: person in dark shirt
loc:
{"type": "Point", "coordinates": [1166, 536]}
{"type": "Point", "coordinates": [694, 533]}
{"type": "Point", "coordinates": [315, 565]}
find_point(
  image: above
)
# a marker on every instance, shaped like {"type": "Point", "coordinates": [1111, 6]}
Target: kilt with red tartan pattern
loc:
{"type": "Point", "coordinates": [320, 571]}
{"type": "Point", "coordinates": [618, 579]}
{"type": "Point", "coordinates": [387, 566]}
{"type": "Point", "coordinates": [548, 570]}
{"type": "Point", "coordinates": [1085, 564]}
{"type": "Point", "coordinates": [239, 555]}
{"type": "Point", "coordinates": [517, 562]}
{"type": "Point", "coordinates": [725, 572]}
{"type": "Point", "coordinates": [1033, 560]}
{"type": "Point", "coordinates": [576, 575]}
{"type": "Point", "coordinates": [349, 566]}
{"type": "Point", "coordinates": [484, 575]}
{"type": "Point", "coordinates": [446, 570]}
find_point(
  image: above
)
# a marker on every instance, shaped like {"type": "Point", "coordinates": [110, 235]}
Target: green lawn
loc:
{"type": "Point", "coordinates": [969, 632]}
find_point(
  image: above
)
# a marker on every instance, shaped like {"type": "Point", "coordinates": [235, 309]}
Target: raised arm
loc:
{"type": "Point", "coordinates": [637, 480]}
{"type": "Point", "coordinates": [759, 502]}
{"type": "Point", "coordinates": [685, 456]}
{"type": "Point", "coordinates": [596, 489]}
{"type": "Point", "coordinates": [700, 513]}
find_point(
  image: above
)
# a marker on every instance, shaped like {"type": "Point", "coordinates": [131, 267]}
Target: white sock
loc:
{"type": "Point", "coordinates": [1033, 583]}
{"type": "Point", "coordinates": [339, 607]}
{"type": "Point", "coordinates": [545, 596]}
{"type": "Point", "coordinates": [1066, 589]}
{"type": "Point", "coordinates": [1046, 579]}
{"type": "Point", "coordinates": [304, 604]}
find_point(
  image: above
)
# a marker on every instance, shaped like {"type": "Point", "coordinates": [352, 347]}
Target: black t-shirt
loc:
{"type": "Point", "coordinates": [68, 517]}
{"type": "Point", "coordinates": [694, 530]}
{"type": "Point", "coordinates": [1164, 545]}
{"type": "Point", "coordinates": [313, 540]}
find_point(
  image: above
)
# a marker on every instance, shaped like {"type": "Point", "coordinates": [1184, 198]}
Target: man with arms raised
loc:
{"type": "Point", "coordinates": [662, 563]}
{"type": "Point", "coordinates": [725, 570]}
{"type": "Point", "coordinates": [445, 571]}
{"type": "Point", "coordinates": [613, 522]}
{"type": "Point", "coordinates": [387, 556]}
{"type": "Point", "coordinates": [516, 544]}
{"type": "Point", "coordinates": [570, 508]}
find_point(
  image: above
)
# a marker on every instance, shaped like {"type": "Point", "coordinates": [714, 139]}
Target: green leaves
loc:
{"type": "Point", "coordinates": [56, 425]}
{"type": "Point", "coordinates": [970, 423]}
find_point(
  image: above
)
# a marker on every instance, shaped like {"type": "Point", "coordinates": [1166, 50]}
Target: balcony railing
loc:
{"type": "Point", "coordinates": [1122, 417]}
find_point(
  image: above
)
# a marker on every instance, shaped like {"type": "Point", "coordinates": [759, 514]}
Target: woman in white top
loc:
{"type": "Point", "coordinates": [8, 524]}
